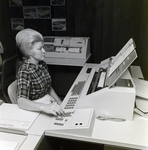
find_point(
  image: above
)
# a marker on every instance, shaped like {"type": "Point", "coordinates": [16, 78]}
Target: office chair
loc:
{"type": "Point", "coordinates": [8, 75]}
{"type": "Point", "coordinates": [12, 92]}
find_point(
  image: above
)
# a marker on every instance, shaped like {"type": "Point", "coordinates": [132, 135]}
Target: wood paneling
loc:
{"type": "Point", "coordinates": [109, 24]}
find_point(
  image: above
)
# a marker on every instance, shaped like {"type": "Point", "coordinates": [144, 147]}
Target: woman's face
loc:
{"type": "Point", "coordinates": [37, 52]}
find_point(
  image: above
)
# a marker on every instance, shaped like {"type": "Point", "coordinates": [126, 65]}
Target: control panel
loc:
{"type": "Point", "coordinates": [66, 50]}
{"type": "Point", "coordinates": [79, 122]}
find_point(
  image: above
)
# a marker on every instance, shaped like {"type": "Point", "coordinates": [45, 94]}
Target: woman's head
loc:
{"type": "Point", "coordinates": [25, 40]}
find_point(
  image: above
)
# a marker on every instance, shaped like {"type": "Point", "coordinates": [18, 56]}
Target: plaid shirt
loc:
{"type": "Point", "coordinates": [33, 82]}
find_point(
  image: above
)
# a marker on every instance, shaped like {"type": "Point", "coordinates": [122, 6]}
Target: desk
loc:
{"type": "Point", "coordinates": [128, 134]}
{"type": "Point", "coordinates": [31, 142]}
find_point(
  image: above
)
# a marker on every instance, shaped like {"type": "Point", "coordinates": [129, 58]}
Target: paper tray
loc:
{"type": "Point", "coordinates": [141, 87]}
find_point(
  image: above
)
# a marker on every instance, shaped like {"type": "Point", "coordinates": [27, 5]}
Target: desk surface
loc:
{"type": "Point", "coordinates": [128, 134]}
{"type": "Point", "coordinates": [31, 142]}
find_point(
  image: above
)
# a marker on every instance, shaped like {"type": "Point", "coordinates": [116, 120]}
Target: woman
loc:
{"type": "Point", "coordinates": [34, 90]}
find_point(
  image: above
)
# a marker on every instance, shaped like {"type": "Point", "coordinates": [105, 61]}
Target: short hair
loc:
{"type": "Point", "coordinates": [25, 40]}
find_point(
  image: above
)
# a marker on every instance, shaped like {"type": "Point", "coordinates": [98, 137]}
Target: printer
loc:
{"type": "Point", "coordinates": [108, 87]}
{"type": "Point", "coordinates": [67, 50]}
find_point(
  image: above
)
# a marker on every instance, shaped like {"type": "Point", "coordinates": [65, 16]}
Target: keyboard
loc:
{"type": "Point", "coordinates": [78, 88]}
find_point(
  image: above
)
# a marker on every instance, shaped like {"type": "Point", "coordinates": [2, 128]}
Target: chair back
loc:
{"type": "Point", "coordinates": [9, 70]}
{"type": "Point", "coordinates": [12, 92]}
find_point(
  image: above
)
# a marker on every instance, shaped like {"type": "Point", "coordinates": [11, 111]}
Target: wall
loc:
{"type": "Point", "coordinates": [108, 23]}
{"type": "Point", "coordinates": [142, 44]}
{"type": "Point", "coordinates": [6, 35]}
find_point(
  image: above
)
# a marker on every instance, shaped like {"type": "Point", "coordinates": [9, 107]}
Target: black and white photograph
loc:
{"type": "Point", "coordinates": [57, 2]}
{"type": "Point", "coordinates": [40, 12]}
{"type": "Point", "coordinates": [43, 12]}
{"type": "Point", "coordinates": [15, 2]}
{"type": "Point", "coordinates": [17, 23]}
{"type": "Point", "coordinates": [73, 74]}
{"type": "Point", "coordinates": [30, 12]}
{"type": "Point", "coordinates": [58, 24]}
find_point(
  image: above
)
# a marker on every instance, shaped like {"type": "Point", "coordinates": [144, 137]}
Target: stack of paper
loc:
{"type": "Point", "coordinates": [7, 145]}
{"type": "Point", "coordinates": [14, 119]}
{"type": "Point", "coordinates": [141, 87]}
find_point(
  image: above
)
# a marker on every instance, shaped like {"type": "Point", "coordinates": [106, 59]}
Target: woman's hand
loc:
{"type": "Point", "coordinates": [52, 108]}
{"type": "Point", "coordinates": [46, 104]}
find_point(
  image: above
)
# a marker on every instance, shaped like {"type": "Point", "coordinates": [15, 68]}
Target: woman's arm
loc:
{"type": "Point", "coordinates": [52, 108]}
{"type": "Point", "coordinates": [23, 88]}
{"type": "Point", "coordinates": [55, 96]}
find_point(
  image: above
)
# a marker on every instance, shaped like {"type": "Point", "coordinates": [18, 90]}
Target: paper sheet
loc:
{"type": "Point", "coordinates": [7, 145]}
{"type": "Point", "coordinates": [11, 116]}
{"type": "Point", "coordinates": [120, 59]}
{"type": "Point", "coordinates": [141, 87]}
